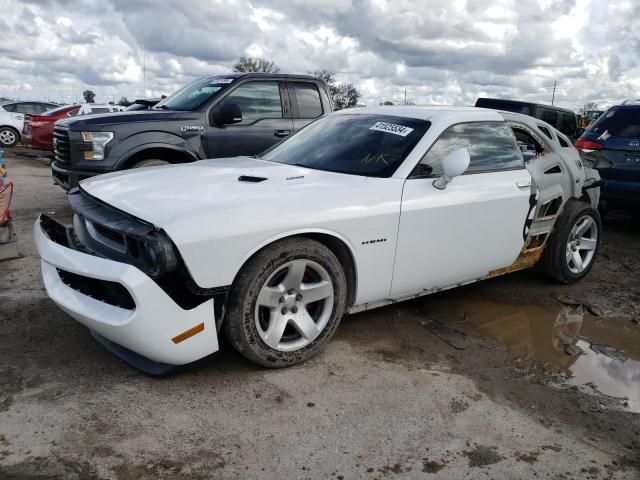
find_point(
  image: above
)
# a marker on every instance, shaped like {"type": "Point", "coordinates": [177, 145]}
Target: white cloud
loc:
{"type": "Point", "coordinates": [441, 51]}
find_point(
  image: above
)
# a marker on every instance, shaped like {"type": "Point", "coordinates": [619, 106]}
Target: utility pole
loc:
{"type": "Point", "coordinates": [553, 97]}
{"type": "Point", "coordinates": [144, 73]}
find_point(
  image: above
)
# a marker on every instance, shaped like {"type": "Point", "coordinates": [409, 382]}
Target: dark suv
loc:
{"type": "Point", "coordinates": [217, 116]}
{"type": "Point", "coordinates": [564, 120]}
{"type": "Point", "coordinates": [614, 140]}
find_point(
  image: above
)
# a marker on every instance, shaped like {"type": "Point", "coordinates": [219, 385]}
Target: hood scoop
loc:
{"type": "Point", "coordinates": [250, 179]}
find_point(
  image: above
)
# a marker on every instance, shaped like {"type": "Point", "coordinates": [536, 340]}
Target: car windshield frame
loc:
{"type": "Point", "coordinates": [334, 142]}
{"type": "Point", "coordinates": [187, 99]}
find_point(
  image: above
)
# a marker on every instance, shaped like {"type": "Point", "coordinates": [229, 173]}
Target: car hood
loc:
{"type": "Point", "coordinates": [225, 189]}
{"type": "Point", "coordinates": [126, 117]}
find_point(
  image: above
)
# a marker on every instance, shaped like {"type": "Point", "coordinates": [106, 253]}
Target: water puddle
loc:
{"type": "Point", "coordinates": [596, 353]}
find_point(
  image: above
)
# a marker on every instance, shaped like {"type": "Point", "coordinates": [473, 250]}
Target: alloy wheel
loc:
{"type": "Point", "coordinates": [7, 137]}
{"type": "Point", "coordinates": [582, 243]}
{"type": "Point", "coordinates": [294, 305]}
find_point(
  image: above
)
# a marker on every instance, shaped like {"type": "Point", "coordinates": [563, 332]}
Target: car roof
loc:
{"type": "Point", "coordinates": [265, 74]}
{"type": "Point", "coordinates": [520, 102]}
{"type": "Point", "coordinates": [432, 112]}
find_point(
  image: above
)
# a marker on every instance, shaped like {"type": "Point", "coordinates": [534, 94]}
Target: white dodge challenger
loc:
{"type": "Point", "coordinates": [362, 208]}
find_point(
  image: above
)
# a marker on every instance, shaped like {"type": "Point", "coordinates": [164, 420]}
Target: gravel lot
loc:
{"type": "Point", "coordinates": [474, 383]}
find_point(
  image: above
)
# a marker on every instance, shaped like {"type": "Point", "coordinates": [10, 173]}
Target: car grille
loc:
{"type": "Point", "coordinates": [62, 145]}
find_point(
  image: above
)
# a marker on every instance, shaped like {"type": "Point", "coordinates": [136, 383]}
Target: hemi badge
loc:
{"type": "Point", "coordinates": [188, 333]}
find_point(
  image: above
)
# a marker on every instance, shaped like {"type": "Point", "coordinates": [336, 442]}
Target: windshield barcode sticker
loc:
{"type": "Point", "coordinates": [392, 128]}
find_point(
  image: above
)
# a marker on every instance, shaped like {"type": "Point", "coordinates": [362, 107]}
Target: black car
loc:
{"type": "Point", "coordinates": [564, 120]}
{"type": "Point", "coordinates": [212, 117]}
{"type": "Point", "coordinates": [613, 141]}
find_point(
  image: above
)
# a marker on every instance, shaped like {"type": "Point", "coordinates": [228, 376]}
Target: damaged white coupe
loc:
{"type": "Point", "coordinates": [362, 208]}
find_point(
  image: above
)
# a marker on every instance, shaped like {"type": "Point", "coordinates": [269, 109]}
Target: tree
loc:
{"type": "Point", "coordinates": [89, 96]}
{"type": "Point", "coordinates": [344, 95]}
{"type": "Point", "coordinates": [588, 106]}
{"type": "Point", "coordinates": [255, 64]}
{"type": "Point", "coordinates": [124, 101]}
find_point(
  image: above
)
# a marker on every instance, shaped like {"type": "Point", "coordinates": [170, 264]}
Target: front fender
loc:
{"type": "Point", "coordinates": [148, 140]}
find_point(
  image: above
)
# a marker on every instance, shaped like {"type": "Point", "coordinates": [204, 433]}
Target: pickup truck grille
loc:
{"type": "Point", "coordinates": [62, 145]}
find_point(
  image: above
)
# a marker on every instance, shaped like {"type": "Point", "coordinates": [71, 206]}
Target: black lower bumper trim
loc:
{"type": "Point", "coordinates": [134, 359]}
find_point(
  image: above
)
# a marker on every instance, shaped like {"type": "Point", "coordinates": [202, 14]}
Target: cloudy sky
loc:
{"type": "Point", "coordinates": [441, 51]}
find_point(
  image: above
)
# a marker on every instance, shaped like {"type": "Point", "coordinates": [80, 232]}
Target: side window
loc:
{"type": "Point", "coordinates": [40, 107]}
{"type": "Point", "coordinates": [307, 98]}
{"type": "Point", "coordinates": [257, 100]}
{"type": "Point", "coordinates": [546, 131]}
{"type": "Point", "coordinates": [567, 124]}
{"type": "Point", "coordinates": [550, 116]}
{"type": "Point", "coordinates": [21, 108]}
{"type": "Point", "coordinates": [491, 145]}
{"type": "Point", "coordinates": [10, 107]}
{"type": "Point", "coordinates": [30, 108]}
{"type": "Point", "coordinates": [563, 141]}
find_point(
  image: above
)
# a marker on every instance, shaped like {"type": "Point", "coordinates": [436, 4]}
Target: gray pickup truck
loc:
{"type": "Point", "coordinates": [212, 117]}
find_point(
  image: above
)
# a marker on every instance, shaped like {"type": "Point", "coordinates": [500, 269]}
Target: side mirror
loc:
{"type": "Point", "coordinates": [453, 165]}
{"type": "Point", "coordinates": [227, 114]}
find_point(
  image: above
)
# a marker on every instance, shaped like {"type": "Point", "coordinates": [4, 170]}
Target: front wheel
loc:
{"type": "Point", "coordinates": [150, 162]}
{"type": "Point", "coordinates": [573, 246]}
{"type": "Point", "coordinates": [286, 303]}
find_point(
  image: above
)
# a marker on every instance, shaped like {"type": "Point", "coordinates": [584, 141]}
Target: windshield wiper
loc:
{"type": "Point", "coordinates": [163, 107]}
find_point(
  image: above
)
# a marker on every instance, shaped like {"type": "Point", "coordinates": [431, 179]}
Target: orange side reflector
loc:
{"type": "Point", "coordinates": [188, 333]}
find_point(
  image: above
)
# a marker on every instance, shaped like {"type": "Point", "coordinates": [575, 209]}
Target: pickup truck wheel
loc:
{"type": "Point", "coordinates": [286, 303]}
{"type": "Point", "coordinates": [151, 162]}
{"type": "Point", "coordinates": [9, 137]}
{"type": "Point", "coordinates": [573, 246]}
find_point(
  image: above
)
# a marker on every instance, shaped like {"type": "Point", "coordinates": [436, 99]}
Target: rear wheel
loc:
{"type": "Point", "coordinates": [286, 303]}
{"type": "Point", "coordinates": [9, 137]}
{"type": "Point", "coordinates": [573, 246]}
{"type": "Point", "coordinates": [150, 162]}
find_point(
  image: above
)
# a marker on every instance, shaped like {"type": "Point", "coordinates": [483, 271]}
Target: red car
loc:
{"type": "Point", "coordinates": [38, 129]}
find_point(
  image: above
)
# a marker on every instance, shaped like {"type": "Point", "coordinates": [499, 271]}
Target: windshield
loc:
{"type": "Point", "coordinates": [368, 145]}
{"type": "Point", "coordinates": [193, 95]}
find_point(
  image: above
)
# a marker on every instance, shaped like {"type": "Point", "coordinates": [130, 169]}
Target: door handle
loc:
{"type": "Point", "coordinates": [523, 183]}
{"type": "Point", "coordinates": [282, 133]}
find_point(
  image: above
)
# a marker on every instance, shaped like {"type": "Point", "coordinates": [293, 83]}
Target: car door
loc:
{"type": "Point", "coordinates": [306, 104]}
{"type": "Point", "coordinates": [18, 113]}
{"type": "Point", "coordinates": [472, 227]}
{"type": "Point", "coordinates": [266, 120]}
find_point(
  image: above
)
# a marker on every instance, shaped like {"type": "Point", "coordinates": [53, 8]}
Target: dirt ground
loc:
{"type": "Point", "coordinates": [514, 377]}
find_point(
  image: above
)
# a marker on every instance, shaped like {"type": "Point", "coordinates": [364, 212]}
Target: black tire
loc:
{"type": "Point", "coordinates": [240, 323]}
{"type": "Point", "coordinates": [554, 259]}
{"type": "Point", "coordinates": [150, 162]}
{"type": "Point", "coordinates": [9, 132]}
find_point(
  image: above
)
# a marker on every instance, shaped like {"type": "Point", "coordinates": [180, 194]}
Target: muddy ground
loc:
{"type": "Point", "coordinates": [515, 377]}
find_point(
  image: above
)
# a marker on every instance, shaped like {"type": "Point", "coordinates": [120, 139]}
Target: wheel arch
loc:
{"type": "Point", "coordinates": [335, 242]}
{"type": "Point", "coordinates": [14, 128]}
{"type": "Point", "coordinates": [166, 152]}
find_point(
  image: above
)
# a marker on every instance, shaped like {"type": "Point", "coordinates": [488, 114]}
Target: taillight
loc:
{"type": "Point", "coordinates": [584, 144]}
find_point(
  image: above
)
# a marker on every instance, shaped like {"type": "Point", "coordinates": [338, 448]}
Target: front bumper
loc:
{"type": "Point", "coordinates": [149, 328]}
